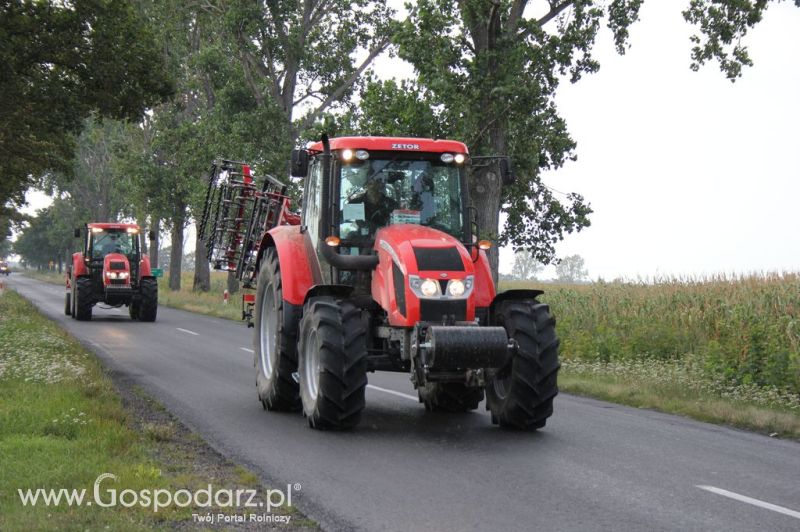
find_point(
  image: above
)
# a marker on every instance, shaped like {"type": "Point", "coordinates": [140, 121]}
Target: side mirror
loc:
{"type": "Point", "coordinates": [77, 232]}
{"type": "Point", "coordinates": [151, 235]}
{"type": "Point", "coordinates": [507, 171]}
{"type": "Point", "coordinates": [299, 164]}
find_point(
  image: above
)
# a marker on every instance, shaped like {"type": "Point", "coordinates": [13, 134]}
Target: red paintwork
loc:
{"type": "Point", "coordinates": [115, 257]}
{"type": "Point", "coordinates": [144, 267]}
{"type": "Point", "coordinates": [484, 290]}
{"type": "Point", "coordinates": [299, 264]}
{"type": "Point", "coordinates": [401, 238]}
{"type": "Point", "coordinates": [78, 265]}
{"type": "Point", "coordinates": [385, 144]}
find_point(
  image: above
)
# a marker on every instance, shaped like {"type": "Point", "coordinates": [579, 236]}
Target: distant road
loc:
{"type": "Point", "coordinates": [596, 466]}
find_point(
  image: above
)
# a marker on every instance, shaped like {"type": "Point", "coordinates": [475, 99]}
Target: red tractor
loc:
{"type": "Point", "coordinates": [111, 270]}
{"type": "Point", "coordinates": [382, 271]}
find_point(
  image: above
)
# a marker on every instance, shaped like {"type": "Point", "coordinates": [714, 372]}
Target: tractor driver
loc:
{"type": "Point", "coordinates": [366, 206]}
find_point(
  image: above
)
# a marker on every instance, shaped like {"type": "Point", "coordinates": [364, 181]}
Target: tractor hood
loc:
{"type": "Point", "coordinates": [116, 270]}
{"type": "Point", "coordinates": [416, 248]}
{"type": "Point", "coordinates": [410, 256]}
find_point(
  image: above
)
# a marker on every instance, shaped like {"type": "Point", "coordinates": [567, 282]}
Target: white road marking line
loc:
{"type": "Point", "coordinates": [187, 331]}
{"type": "Point", "coordinates": [247, 349]}
{"type": "Point", "coordinates": [750, 500]}
{"type": "Point", "coordinates": [392, 392]}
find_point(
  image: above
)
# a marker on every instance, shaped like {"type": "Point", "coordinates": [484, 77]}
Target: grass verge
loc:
{"type": "Point", "coordinates": [675, 388]}
{"type": "Point", "coordinates": [63, 424]}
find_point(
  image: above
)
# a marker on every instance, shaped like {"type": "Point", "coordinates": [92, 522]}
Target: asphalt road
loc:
{"type": "Point", "coordinates": [596, 466]}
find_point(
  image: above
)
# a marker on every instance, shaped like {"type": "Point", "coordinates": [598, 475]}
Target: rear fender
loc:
{"type": "Point", "coordinates": [299, 265]}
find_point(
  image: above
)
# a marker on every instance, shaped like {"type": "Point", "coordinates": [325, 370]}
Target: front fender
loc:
{"type": "Point", "coordinates": [298, 261]}
{"type": "Point", "coordinates": [78, 265]}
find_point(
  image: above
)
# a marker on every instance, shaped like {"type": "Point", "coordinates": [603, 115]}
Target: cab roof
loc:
{"type": "Point", "coordinates": [111, 225]}
{"type": "Point", "coordinates": [409, 144]}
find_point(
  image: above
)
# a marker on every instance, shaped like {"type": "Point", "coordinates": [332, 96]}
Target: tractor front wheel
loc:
{"type": "Point", "coordinates": [68, 304]}
{"type": "Point", "coordinates": [520, 395]}
{"type": "Point", "coordinates": [83, 299]}
{"type": "Point", "coordinates": [333, 363]}
{"type": "Point", "coordinates": [133, 310]}
{"type": "Point", "coordinates": [449, 397]}
{"type": "Point", "coordinates": [147, 308]}
{"type": "Point", "coordinates": [274, 344]}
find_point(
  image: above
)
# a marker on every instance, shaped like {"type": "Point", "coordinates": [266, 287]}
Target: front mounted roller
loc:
{"type": "Point", "coordinates": [274, 344]}
{"type": "Point", "coordinates": [333, 363]}
{"type": "Point", "coordinates": [520, 395]}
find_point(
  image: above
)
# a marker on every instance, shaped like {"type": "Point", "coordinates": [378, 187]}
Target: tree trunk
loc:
{"type": "Point", "coordinates": [202, 273]}
{"type": "Point", "coordinates": [486, 184]}
{"type": "Point", "coordinates": [142, 238]}
{"type": "Point", "coordinates": [233, 283]}
{"type": "Point", "coordinates": [156, 228]}
{"type": "Point", "coordinates": [176, 255]}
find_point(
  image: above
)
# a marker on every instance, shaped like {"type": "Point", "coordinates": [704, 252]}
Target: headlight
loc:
{"type": "Point", "coordinates": [429, 288]}
{"type": "Point", "coordinates": [424, 287]}
{"type": "Point", "coordinates": [446, 158]}
{"type": "Point", "coordinates": [459, 158]}
{"type": "Point", "coordinates": [455, 288]}
{"type": "Point", "coordinates": [347, 154]}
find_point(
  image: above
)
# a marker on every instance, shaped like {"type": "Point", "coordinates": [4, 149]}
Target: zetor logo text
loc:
{"type": "Point", "coordinates": [107, 497]}
{"type": "Point", "coordinates": [397, 146]}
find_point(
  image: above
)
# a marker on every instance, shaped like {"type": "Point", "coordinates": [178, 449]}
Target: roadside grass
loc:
{"type": "Point", "coordinates": [62, 424]}
{"type": "Point", "coordinates": [675, 388]}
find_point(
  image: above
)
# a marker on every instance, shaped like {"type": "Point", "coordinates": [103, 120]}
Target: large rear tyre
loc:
{"type": "Point", "coordinates": [521, 394]}
{"type": "Point", "coordinates": [83, 299]}
{"type": "Point", "coordinates": [333, 363]}
{"type": "Point", "coordinates": [449, 397]}
{"type": "Point", "coordinates": [68, 304]}
{"type": "Point", "coordinates": [148, 305]}
{"type": "Point", "coordinates": [275, 346]}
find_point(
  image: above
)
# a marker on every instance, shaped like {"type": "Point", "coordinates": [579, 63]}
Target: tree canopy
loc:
{"type": "Point", "coordinates": [61, 61]}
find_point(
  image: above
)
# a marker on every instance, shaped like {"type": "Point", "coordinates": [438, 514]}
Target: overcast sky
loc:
{"type": "Point", "coordinates": [688, 174]}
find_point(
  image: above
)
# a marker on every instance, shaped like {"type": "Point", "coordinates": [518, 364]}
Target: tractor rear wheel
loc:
{"type": "Point", "coordinates": [520, 395]}
{"type": "Point", "coordinates": [275, 346]}
{"type": "Point", "coordinates": [83, 299]}
{"type": "Point", "coordinates": [148, 305]}
{"type": "Point", "coordinates": [449, 397]}
{"type": "Point", "coordinates": [68, 304]}
{"type": "Point", "coordinates": [333, 363]}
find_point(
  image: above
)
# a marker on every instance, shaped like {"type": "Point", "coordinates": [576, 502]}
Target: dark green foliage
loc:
{"type": "Point", "coordinates": [61, 63]}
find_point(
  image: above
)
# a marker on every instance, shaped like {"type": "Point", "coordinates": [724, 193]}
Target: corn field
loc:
{"type": "Point", "coordinates": [743, 330]}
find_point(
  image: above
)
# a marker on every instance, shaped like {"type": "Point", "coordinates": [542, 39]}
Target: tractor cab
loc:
{"type": "Point", "coordinates": [361, 185]}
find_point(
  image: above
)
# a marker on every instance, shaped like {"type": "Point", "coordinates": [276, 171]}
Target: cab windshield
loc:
{"type": "Point", "coordinates": [380, 192]}
{"type": "Point", "coordinates": [112, 241]}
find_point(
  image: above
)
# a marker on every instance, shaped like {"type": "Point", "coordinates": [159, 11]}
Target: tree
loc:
{"type": "Point", "coordinates": [525, 266]}
{"type": "Point", "coordinates": [571, 269]}
{"type": "Point", "coordinates": [300, 55]}
{"type": "Point", "coordinates": [61, 61]}
{"type": "Point", "coordinates": [488, 73]}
